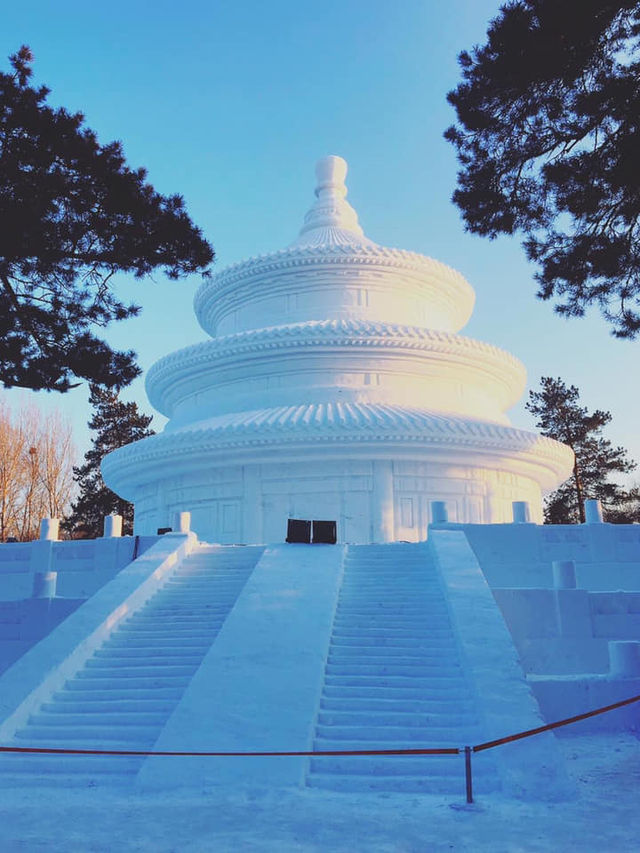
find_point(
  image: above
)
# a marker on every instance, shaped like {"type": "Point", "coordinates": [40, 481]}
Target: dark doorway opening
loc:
{"type": "Point", "coordinates": [298, 530]}
{"type": "Point", "coordinates": [324, 533]}
{"type": "Point", "coordinates": [311, 532]}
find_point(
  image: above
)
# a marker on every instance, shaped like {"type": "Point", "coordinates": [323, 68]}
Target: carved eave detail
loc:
{"type": "Point", "coordinates": [306, 426]}
{"type": "Point", "coordinates": [183, 368]}
{"type": "Point", "coordinates": [245, 280]}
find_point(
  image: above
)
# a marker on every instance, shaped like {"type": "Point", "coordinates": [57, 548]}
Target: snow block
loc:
{"type": "Point", "coordinates": [625, 658]}
{"type": "Point", "coordinates": [574, 613]}
{"type": "Point", "coordinates": [259, 687]}
{"type": "Point", "coordinates": [530, 768]}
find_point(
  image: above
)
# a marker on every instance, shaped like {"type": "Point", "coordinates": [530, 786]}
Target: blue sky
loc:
{"type": "Point", "coordinates": [231, 103]}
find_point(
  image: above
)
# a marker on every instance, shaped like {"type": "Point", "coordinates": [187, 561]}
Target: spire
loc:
{"type": "Point", "coordinates": [331, 219]}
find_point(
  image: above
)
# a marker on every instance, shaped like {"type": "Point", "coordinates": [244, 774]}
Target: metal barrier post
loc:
{"type": "Point", "coordinates": [467, 773]}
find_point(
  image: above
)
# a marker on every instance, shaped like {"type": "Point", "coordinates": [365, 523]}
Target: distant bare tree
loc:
{"type": "Point", "coordinates": [36, 469]}
{"type": "Point", "coordinates": [12, 457]}
{"type": "Point", "coordinates": [55, 467]}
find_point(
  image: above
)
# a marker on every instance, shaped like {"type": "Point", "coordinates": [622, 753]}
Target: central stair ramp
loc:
{"type": "Point", "coordinates": [126, 692]}
{"type": "Point", "coordinates": [395, 679]}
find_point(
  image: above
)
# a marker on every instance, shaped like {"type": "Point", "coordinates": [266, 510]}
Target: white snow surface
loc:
{"type": "Point", "coordinates": [604, 816]}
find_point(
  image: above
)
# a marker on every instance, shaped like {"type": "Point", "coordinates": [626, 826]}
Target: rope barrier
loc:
{"type": "Point", "coordinates": [467, 750]}
{"type": "Point", "coordinates": [43, 750]}
{"type": "Point", "coordinates": [520, 735]}
{"type": "Point", "coordinates": [490, 744]}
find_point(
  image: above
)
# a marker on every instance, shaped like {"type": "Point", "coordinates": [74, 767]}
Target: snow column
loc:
{"type": "Point", "coordinates": [252, 506]}
{"type": "Point", "coordinates": [382, 499]}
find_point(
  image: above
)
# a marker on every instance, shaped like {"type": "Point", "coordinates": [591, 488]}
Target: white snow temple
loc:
{"type": "Point", "coordinates": [335, 387]}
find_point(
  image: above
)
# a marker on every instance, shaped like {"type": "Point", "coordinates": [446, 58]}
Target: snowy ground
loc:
{"type": "Point", "coordinates": [605, 817]}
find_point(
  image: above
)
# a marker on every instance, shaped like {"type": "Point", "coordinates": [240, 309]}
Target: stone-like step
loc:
{"type": "Point", "coordinates": [178, 632]}
{"type": "Point", "coordinates": [372, 734]}
{"type": "Point", "coordinates": [140, 718]}
{"type": "Point", "coordinates": [131, 694]}
{"type": "Point", "coordinates": [175, 600]}
{"type": "Point", "coordinates": [422, 669]}
{"type": "Point", "coordinates": [70, 705]}
{"type": "Point", "coordinates": [369, 619]}
{"type": "Point", "coordinates": [165, 653]}
{"type": "Point", "coordinates": [192, 588]}
{"type": "Point", "coordinates": [388, 600]}
{"type": "Point", "coordinates": [411, 601]}
{"type": "Point", "coordinates": [189, 609]}
{"type": "Point", "coordinates": [180, 617]}
{"type": "Point", "coordinates": [375, 589]}
{"type": "Point", "coordinates": [387, 575]}
{"type": "Point", "coordinates": [179, 621]}
{"type": "Point", "coordinates": [369, 717]}
{"type": "Point", "coordinates": [375, 656]}
{"type": "Point", "coordinates": [410, 691]}
{"type": "Point", "coordinates": [322, 744]}
{"type": "Point", "coordinates": [398, 681]}
{"type": "Point", "coordinates": [125, 736]}
{"type": "Point", "coordinates": [394, 705]}
{"type": "Point", "coordinates": [369, 582]}
{"type": "Point", "coordinates": [381, 627]}
{"type": "Point", "coordinates": [134, 642]}
{"type": "Point", "coordinates": [82, 683]}
{"type": "Point", "coordinates": [394, 642]}
{"type": "Point", "coordinates": [93, 671]}
{"type": "Point", "coordinates": [140, 659]}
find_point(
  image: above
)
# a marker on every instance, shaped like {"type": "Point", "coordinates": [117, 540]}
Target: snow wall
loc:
{"type": "Point", "coordinates": [579, 646]}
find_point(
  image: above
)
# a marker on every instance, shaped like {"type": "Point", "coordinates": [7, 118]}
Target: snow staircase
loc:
{"type": "Point", "coordinates": [394, 680]}
{"type": "Point", "coordinates": [126, 692]}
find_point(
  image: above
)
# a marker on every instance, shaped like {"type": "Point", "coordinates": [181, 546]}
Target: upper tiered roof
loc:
{"type": "Point", "coordinates": [332, 271]}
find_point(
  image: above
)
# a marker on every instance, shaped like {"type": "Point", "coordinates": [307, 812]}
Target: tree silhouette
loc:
{"type": "Point", "coordinates": [560, 416]}
{"type": "Point", "coordinates": [115, 424]}
{"type": "Point", "coordinates": [72, 216]}
{"type": "Point", "coordinates": [548, 136]}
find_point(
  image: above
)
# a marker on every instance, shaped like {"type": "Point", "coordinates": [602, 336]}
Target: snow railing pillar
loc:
{"type": "Point", "coordinates": [112, 526]}
{"type": "Point", "coordinates": [521, 512]}
{"type": "Point", "coordinates": [564, 574]}
{"type": "Point", "coordinates": [44, 585]}
{"type": "Point", "coordinates": [573, 613]}
{"type": "Point", "coordinates": [41, 559]}
{"type": "Point", "coordinates": [49, 529]}
{"type": "Point", "coordinates": [593, 512]}
{"type": "Point", "coordinates": [181, 522]}
{"type": "Point", "coordinates": [624, 658]}
{"type": "Point", "coordinates": [383, 510]}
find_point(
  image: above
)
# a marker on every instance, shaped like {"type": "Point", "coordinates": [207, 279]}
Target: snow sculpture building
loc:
{"type": "Point", "coordinates": [335, 387]}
